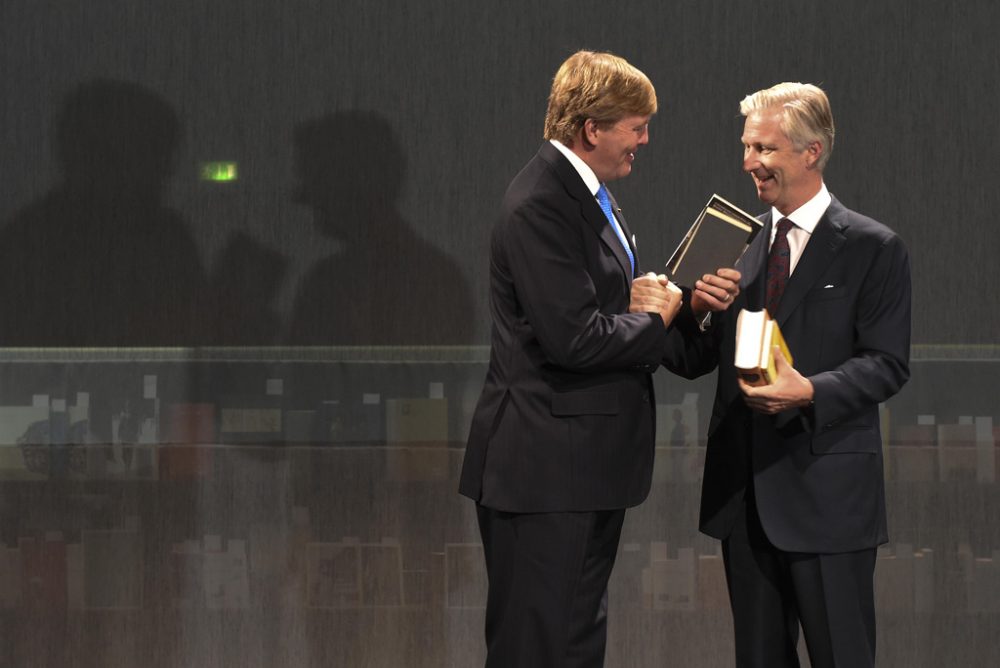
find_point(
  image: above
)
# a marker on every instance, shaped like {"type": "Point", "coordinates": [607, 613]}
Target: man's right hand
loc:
{"type": "Point", "coordinates": [655, 294]}
{"type": "Point", "coordinates": [715, 292]}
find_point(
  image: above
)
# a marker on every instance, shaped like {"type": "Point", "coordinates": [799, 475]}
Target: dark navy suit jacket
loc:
{"type": "Point", "coordinates": [565, 421]}
{"type": "Point", "coordinates": [817, 472]}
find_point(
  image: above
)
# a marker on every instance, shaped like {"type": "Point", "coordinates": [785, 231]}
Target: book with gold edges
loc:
{"type": "Point", "coordinates": [716, 240]}
{"type": "Point", "coordinates": [756, 336]}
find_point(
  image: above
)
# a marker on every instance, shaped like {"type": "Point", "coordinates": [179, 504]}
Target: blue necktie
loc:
{"type": "Point", "coordinates": [605, 202]}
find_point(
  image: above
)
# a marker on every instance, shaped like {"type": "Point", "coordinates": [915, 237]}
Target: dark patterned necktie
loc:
{"type": "Point", "coordinates": [778, 263]}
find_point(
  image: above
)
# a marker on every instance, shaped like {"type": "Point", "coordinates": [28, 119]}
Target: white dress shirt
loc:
{"type": "Point", "coordinates": [586, 173]}
{"type": "Point", "coordinates": [805, 219]}
{"type": "Point", "coordinates": [593, 184]}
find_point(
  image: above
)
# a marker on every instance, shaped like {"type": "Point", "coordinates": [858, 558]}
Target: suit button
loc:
{"type": "Point", "coordinates": [645, 396]}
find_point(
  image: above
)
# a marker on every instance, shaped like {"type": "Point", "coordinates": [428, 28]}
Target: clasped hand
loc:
{"type": "Point", "coordinates": [655, 294]}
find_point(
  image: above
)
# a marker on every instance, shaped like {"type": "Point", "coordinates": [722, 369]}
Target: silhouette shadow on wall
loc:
{"type": "Point", "coordinates": [246, 278]}
{"type": "Point", "coordinates": [100, 260]}
{"type": "Point", "coordinates": [386, 285]}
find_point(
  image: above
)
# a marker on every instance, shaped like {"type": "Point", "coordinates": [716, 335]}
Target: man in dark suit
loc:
{"type": "Point", "coordinates": [793, 481]}
{"type": "Point", "coordinates": [562, 438]}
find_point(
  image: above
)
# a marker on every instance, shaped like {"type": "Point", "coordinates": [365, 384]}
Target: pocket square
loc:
{"type": "Point", "coordinates": [828, 286]}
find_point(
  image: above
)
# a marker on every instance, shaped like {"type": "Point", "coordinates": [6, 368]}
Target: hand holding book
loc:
{"type": "Point", "coordinates": [789, 390]}
{"type": "Point", "coordinates": [715, 292]}
{"type": "Point", "coordinates": [764, 370]}
{"type": "Point", "coordinates": [717, 238]}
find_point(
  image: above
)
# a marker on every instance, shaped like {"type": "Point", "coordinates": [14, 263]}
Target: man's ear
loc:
{"type": "Point", "coordinates": [589, 132]}
{"type": "Point", "coordinates": [813, 152]}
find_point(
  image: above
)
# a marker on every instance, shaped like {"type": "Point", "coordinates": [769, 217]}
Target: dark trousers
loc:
{"type": "Point", "coordinates": [548, 578]}
{"type": "Point", "coordinates": [772, 592]}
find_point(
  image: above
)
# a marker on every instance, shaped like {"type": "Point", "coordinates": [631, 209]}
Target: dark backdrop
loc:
{"type": "Point", "coordinates": [374, 139]}
{"type": "Point", "coordinates": [372, 142]}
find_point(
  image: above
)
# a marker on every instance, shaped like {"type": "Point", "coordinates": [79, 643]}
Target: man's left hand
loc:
{"type": "Point", "coordinates": [789, 390]}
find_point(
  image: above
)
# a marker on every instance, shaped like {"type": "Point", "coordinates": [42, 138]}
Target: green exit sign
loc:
{"type": "Point", "coordinates": [218, 172]}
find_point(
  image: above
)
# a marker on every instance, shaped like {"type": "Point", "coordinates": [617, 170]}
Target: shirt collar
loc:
{"type": "Point", "coordinates": [586, 173]}
{"type": "Point", "coordinates": [807, 216]}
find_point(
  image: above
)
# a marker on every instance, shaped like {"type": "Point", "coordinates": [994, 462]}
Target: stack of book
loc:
{"type": "Point", "coordinates": [756, 337]}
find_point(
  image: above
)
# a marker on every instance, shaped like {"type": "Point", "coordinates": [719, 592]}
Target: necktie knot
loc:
{"type": "Point", "coordinates": [784, 225]}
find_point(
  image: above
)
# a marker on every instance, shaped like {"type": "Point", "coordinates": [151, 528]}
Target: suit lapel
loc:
{"type": "Point", "coordinates": [753, 267]}
{"type": "Point", "coordinates": [604, 229]}
{"type": "Point", "coordinates": [823, 246]}
{"type": "Point", "coordinates": [628, 236]}
{"type": "Point", "coordinates": [589, 207]}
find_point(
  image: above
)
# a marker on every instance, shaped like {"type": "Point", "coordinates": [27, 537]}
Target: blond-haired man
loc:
{"type": "Point", "coordinates": [562, 437]}
{"type": "Point", "coordinates": [793, 481]}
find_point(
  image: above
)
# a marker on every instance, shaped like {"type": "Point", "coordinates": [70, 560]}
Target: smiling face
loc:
{"type": "Point", "coordinates": [612, 147]}
{"type": "Point", "coordinates": [786, 176]}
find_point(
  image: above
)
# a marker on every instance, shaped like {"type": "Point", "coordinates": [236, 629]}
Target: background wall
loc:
{"type": "Point", "coordinates": [356, 122]}
{"type": "Point", "coordinates": [185, 480]}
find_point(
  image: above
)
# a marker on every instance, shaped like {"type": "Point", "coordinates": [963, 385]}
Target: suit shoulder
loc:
{"type": "Point", "coordinates": [538, 179]}
{"type": "Point", "coordinates": [537, 191]}
{"type": "Point", "coordinates": [860, 226]}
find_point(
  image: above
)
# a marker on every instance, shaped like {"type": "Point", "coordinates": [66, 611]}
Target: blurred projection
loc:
{"type": "Point", "coordinates": [218, 172]}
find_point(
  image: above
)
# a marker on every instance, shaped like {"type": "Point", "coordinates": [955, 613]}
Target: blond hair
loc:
{"type": "Point", "coordinates": [595, 85]}
{"type": "Point", "coordinates": [806, 115]}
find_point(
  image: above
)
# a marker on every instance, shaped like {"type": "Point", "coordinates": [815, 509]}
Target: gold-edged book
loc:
{"type": "Point", "coordinates": [756, 336]}
{"type": "Point", "coordinates": [716, 239]}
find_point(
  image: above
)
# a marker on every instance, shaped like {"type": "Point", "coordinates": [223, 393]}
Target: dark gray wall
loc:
{"type": "Point", "coordinates": [429, 110]}
{"type": "Point", "coordinates": [374, 140]}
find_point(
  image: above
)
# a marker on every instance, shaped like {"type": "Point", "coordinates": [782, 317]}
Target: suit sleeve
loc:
{"type": "Point", "coordinates": [691, 352]}
{"type": "Point", "coordinates": [553, 273]}
{"type": "Point", "coordinates": [880, 365]}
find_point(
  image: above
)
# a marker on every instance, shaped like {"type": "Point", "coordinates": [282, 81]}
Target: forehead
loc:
{"type": "Point", "coordinates": [764, 126]}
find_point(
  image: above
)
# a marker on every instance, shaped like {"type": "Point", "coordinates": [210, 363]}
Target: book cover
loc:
{"type": "Point", "coordinates": [188, 434]}
{"type": "Point", "coordinates": [250, 419]}
{"type": "Point", "coordinates": [716, 239]}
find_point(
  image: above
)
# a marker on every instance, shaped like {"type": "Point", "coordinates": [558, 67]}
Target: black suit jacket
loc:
{"type": "Point", "coordinates": [817, 472]}
{"type": "Point", "coordinates": [565, 419]}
